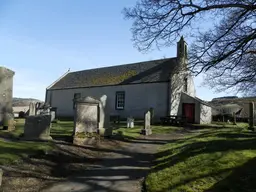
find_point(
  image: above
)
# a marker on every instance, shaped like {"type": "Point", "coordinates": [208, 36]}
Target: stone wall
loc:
{"type": "Point", "coordinates": [138, 99]}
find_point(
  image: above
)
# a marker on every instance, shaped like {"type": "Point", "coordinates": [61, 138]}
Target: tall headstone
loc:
{"type": "Point", "coordinates": [251, 115]}
{"type": "Point", "coordinates": [92, 116]}
{"type": "Point", "coordinates": [8, 121]}
{"type": "Point", "coordinates": [32, 109]}
{"type": "Point", "coordinates": [147, 126]}
{"type": "Point", "coordinates": [86, 116]}
{"type": "Point", "coordinates": [104, 124]}
{"type": "Point", "coordinates": [53, 115]}
{"type": "Point", "coordinates": [6, 95]}
{"type": "Point", "coordinates": [91, 120]}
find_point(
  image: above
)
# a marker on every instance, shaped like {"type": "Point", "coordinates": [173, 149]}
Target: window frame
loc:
{"type": "Point", "coordinates": [185, 89]}
{"type": "Point", "coordinates": [117, 100]}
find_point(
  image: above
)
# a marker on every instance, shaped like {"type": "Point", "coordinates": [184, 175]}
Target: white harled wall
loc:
{"type": "Point", "coordinates": [138, 99]}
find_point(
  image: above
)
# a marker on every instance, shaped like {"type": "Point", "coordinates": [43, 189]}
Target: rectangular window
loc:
{"type": "Point", "coordinates": [185, 84]}
{"type": "Point", "coordinates": [120, 100]}
{"type": "Point", "coordinates": [76, 96]}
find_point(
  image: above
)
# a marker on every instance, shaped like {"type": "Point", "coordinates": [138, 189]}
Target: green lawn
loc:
{"type": "Point", "coordinates": [62, 128]}
{"type": "Point", "coordinates": [12, 149]}
{"type": "Point", "coordinates": [135, 132]}
{"type": "Point", "coordinates": [221, 125]}
{"type": "Point", "coordinates": [215, 160]}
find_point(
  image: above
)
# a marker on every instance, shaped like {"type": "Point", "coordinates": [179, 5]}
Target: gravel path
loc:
{"type": "Point", "coordinates": [121, 170]}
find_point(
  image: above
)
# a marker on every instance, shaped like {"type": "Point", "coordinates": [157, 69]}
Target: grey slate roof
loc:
{"type": "Point", "coordinates": [143, 72]}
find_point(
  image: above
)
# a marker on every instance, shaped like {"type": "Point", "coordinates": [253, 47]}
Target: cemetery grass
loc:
{"type": "Point", "coordinates": [221, 125]}
{"type": "Point", "coordinates": [32, 166]}
{"type": "Point", "coordinates": [218, 160]}
{"type": "Point", "coordinates": [133, 133]}
{"type": "Point", "coordinates": [12, 149]}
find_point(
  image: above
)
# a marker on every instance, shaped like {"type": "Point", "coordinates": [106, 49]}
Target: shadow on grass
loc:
{"type": "Point", "coordinates": [88, 165]}
{"type": "Point", "coordinates": [219, 157]}
{"type": "Point", "coordinates": [241, 179]}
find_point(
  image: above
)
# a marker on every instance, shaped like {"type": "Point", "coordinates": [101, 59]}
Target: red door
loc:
{"type": "Point", "coordinates": [189, 112]}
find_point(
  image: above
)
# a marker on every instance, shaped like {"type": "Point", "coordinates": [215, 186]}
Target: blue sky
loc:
{"type": "Point", "coordinates": [41, 40]}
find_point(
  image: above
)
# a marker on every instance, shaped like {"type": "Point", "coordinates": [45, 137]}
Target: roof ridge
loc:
{"type": "Point", "coordinates": [124, 64]}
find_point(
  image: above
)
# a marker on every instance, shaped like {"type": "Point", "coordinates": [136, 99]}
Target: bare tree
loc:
{"type": "Point", "coordinates": [226, 52]}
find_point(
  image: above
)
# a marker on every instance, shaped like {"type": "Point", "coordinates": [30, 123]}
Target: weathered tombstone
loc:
{"type": "Point", "coordinates": [52, 116]}
{"type": "Point", "coordinates": [130, 122]}
{"type": "Point", "coordinates": [147, 127]}
{"type": "Point", "coordinates": [11, 125]}
{"type": "Point", "coordinates": [104, 117]}
{"type": "Point", "coordinates": [251, 116]}
{"type": "Point", "coordinates": [1, 176]}
{"type": "Point", "coordinates": [53, 111]}
{"type": "Point", "coordinates": [7, 122]}
{"type": "Point", "coordinates": [86, 116]}
{"type": "Point", "coordinates": [32, 109]}
{"type": "Point", "coordinates": [91, 117]}
{"type": "Point", "coordinates": [6, 92]}
{"type": "Point", "coordinates": [37, 127]}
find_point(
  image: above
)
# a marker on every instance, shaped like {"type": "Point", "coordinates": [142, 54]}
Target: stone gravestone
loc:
{"type": "Point", "coordinates": [32, 109]}
{"type": "Point", "coordinates": [11, 125]}
{"type": "Point", "coordinates": [104, 117]}
{"type": "Point", "coordinates": [86, 124]}
{"type": "Point", "coordinates": [53, 111]}
{"type": "Point", "coordinates": [53, 115]}
{"type": "Point", "coordinates": [86, 116]}
{"type": "Point", "coordinates": [37, 127]}
{"type": "Point", "coordinates": [8, 122]}
{"type": "Point", "coordinates": [130, 122]}
{"type": "Point", "coordinates": [147, 127]}
{"type": "Point", "coordinates": [91, 117]}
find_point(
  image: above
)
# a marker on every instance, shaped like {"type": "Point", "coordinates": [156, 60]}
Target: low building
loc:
{"type": "Point", "coordinates": [132, 89]}
{"type": "Point", "coordinates": [226, 106]}
{"type": "Point", "coordinates": [20, 111]}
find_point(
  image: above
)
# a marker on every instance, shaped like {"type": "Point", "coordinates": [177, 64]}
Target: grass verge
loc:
{"type": "Point", "coordinates": [12, 149]}
{"type": "Point", "coordinates": [215, 160]}
{"type": "Point", "coordinates": [135, 132]}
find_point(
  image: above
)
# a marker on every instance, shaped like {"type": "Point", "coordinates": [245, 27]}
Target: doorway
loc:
{"type": "Point", "coordinates": [188, 110]}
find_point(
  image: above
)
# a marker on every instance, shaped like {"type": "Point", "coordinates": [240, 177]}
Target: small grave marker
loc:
{"type": "Point", "coordinates": [147, 126]}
